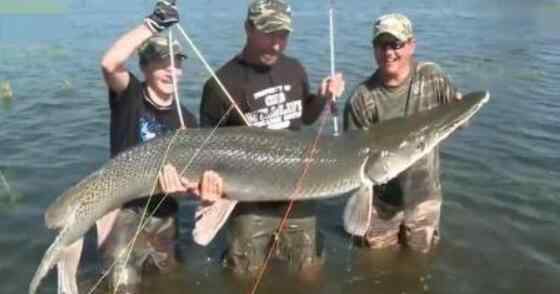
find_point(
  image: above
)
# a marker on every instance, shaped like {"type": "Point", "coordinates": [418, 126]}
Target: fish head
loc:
{"type": "Point", "coordinates": [397, 144]}
{"type": "Point", "coordinates": [383, 165]}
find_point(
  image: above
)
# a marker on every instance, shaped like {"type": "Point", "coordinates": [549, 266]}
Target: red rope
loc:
{"type": "Point", "coordinates": [308, 155]}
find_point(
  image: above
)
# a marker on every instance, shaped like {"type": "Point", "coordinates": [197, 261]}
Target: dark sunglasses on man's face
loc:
{"type": "Point", "coordinates": [392, 44]}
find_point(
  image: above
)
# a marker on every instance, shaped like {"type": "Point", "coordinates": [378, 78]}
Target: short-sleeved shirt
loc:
{"type": "Point", "coordinates": [135, 120]}
{"type": "Point", "coordinates": [372, 102]}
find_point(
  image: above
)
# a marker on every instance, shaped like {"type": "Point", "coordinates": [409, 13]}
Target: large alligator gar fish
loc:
{"type": "Point", "coordinates": [256, 165]}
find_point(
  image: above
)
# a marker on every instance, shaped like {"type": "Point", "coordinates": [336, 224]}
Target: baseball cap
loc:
{"type": "Point", "coordinates": [157, 47]}
{"type": "Point", "coordinates": [270, 15]}
{"type": "Point", "coordinates": [394, 24]}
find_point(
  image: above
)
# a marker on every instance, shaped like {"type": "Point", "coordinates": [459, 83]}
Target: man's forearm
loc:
{"type": "Point", "coordinates": [124, 47]}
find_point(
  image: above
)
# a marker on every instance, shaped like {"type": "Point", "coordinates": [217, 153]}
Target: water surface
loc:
{"type": "Point", "coordinates": [500, 215]}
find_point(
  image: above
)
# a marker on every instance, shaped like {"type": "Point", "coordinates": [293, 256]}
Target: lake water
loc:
{"type": "Point", "coordinates": [501, 176]}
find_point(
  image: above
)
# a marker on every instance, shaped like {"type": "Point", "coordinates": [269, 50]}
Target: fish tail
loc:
{"type": "Point", "coordinates": [67, 268]}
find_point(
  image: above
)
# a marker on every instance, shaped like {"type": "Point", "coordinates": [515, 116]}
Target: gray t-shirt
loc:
{"type": "Point", "coordinates": [372, 102]}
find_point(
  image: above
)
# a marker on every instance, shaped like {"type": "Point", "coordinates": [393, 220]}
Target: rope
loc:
{"type": "Point", "coordinates": [308, 154]}
{"type": "Point", "coordinates": [306, 163]}
{"type": "Point", "coordinates": [209, 69]}
{"type": "Point", "coordinates": [331, 36]}
{"type": "Point", "coordinates": [333, 108]}
{"type": "Point", "coordinates": [174, 79]}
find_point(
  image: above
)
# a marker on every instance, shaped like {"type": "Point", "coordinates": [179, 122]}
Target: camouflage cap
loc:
{"type": "Point", "coordinates": [157, 47]}
{"type": "Point", "coordinates": [395, 24]}
{"type": "Point", "coordinates": [270, 15]}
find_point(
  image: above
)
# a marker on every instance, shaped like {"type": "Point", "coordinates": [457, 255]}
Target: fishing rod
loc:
{"type": "Point", "coordinates": [333, 107]}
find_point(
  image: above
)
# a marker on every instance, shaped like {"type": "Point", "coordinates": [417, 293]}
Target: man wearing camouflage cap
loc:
{"type": "Point", "coordinates": [141, 111]}
{"type": "Point", "coordinates": [406, 209]}
{"type": "Point", "coordinates": [273, 92]}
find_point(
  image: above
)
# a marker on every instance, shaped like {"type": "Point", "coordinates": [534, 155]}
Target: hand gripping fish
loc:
{"type": "Point", "coordinates": [256, 165]}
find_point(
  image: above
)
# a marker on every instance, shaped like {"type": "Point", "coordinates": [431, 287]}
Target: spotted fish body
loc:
{"type": "Point", "coordinates": [256, 165]}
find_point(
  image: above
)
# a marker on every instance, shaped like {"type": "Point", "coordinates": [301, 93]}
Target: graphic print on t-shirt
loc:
{"type": "Point", "coordinates": [149, 127]}
{"type": "Point", "coordinates": [273, 111]}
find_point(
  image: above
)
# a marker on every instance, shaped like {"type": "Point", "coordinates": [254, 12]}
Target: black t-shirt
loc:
{"type": "Point", "coordinates": [274, 97]}
{"type": "Point", "coordinates": [135, 120]}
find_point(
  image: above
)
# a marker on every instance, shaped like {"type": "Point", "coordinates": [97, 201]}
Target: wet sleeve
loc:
{"type": "Point", "coordinates": [349, 120]}
{"type": "Point", "coordinates": [212, 106]}
{"type": "Point", "coordinates": [312, 104]}
{"type": "Point", "coordinates": [448, 91]}
{"type": "Point", "coordinates": [444, 88]}
{"type": "Point", "coordinates": [353, 117]}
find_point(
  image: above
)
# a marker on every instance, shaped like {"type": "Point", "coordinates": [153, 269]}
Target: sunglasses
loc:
{"type": "Point", "coordinates": [164, 62]}
{"type": "Point", "coordinates": [394, 44]}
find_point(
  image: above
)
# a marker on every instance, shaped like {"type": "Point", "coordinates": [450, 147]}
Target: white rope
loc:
{"type": "Point", "coordinates": [174, 79]}
{"type": "Point", "coordinates": [199, 55]}
{"type": "Point", "coordinates": [331, 37]}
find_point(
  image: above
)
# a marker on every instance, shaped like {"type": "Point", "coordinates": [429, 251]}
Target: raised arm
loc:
{"type": "Point", "coordinates": [113, 63]}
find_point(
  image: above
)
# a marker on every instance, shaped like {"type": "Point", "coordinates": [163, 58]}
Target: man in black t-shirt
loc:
{"type": "Point", "coordinates": [141, 111]}
{"type": "Point", "coordinates": [272, 91]}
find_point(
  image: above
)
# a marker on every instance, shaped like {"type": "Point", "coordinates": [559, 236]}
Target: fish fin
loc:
{"type": "Point", "coordinates": [357, 213]}
{"type": "Point", "coordinates": [51, 257]}
{"type": "Point", "coordinates": [105, 225]}
{"type": "Point", "coordinates": [67, 268]}
{"type": "Point", "coordinates": [210, 219]}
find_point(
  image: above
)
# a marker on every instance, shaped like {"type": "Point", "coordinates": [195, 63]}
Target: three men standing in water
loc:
{"type": "Point", "coordinates": [272, 90]}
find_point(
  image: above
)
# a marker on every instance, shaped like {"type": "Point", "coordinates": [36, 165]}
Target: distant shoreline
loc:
{"type": "Point", "coordinates": [35, 7]}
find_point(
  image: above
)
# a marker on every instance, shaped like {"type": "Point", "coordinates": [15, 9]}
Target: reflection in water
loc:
{"type": "Point", "coordinates": [6, 95]}
{"type": "Point", "coordinates": [391, 270]}
{"type": "Point", "coordinates": [6, 104]}
{"type": "Point", "coordinates": [6, 90]}
{"type": "Point", "coordinates": [9, 198]}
